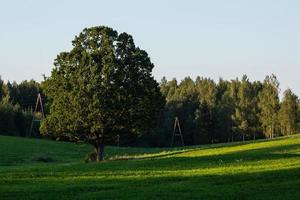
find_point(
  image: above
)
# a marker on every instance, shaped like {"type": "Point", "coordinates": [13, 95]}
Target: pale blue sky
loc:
{"type": "Point", "coordinates": [212, 38]}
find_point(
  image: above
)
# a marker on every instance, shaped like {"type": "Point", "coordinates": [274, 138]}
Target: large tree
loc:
{"type": "Point", "coordinates": [102, 87]}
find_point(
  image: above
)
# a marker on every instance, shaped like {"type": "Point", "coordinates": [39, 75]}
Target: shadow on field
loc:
{"type": "Point", "coordinates": [190, 149]}
{"type": "Point", "coordinates": [277, 184]}
{"type": "Point", "coordinates": [164, 162]}
{"type": "Point", "coordinates": [166, 152]}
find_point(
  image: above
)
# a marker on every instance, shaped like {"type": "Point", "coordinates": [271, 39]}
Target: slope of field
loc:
{"type": "Point", "coordinates": [251, 170]}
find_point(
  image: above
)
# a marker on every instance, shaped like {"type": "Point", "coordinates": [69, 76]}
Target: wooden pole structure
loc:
{"type": "Point", "coordinates": [177, 132]}
{"type": "Point", "coordinates": [39, 102]}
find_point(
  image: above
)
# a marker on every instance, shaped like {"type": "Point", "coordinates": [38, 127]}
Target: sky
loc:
{"type": "Point", "coordinates": [210, 38]}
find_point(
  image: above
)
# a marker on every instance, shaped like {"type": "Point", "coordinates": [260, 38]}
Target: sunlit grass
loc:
{"type": "Point", "coordinates": [250, 170]}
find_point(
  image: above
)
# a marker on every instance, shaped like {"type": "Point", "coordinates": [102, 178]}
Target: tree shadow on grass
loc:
{"type": "Point", "coordinates": [173, 163]}
{"type": "Point", "coordinates": [276, 184]}
{"type": "Point", "coordinates": [167, 162]}
{"type": "Point", "coordinates": [167, 152]}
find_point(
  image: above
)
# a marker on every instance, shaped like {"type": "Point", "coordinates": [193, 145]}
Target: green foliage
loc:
{"type": "Point", "coordinates": [250, 170]}
{"type": "Point", "coordinates": [209, 111]}
{"type": "Point", "coordinates": [205, 125]}
{"type": "Point", "coordinates": [245, 112]}
{"type": "Point", "coordinates": [7, 118]}
{"type": "Point", "coordinates": [15, 117]}
{"type": "Point", "coordinates": [288, 114]}
{"type": "Point", "coordinates": [13, 121]}
{"type": "Point", "coordinates": [27, 94]}
{"type": "Point", "coordinates": [101, 88]}
{"type": "Point", "coordinates": [206, 91]}
{"type": "Point", "coordinates": [212, 112]}
{"type": "Point", "coordinates": [269, 105]}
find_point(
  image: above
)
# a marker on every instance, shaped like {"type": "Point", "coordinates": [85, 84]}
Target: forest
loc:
{"type": "Point", "coordinates": [208, 111]}
{"type": "Point", "coordinates": [225, 111]}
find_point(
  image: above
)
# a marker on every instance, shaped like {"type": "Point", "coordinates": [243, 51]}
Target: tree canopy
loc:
{"type": "Point", "coordinates": [102, 87]}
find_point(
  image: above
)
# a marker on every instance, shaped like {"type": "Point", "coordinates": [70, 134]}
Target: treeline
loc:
{"type": "Point", "coordinates": [208, 111]}
{"type": "Point", "coordinates": [235, 110]}
{"type": "Point", "coordinates": [17, 102]}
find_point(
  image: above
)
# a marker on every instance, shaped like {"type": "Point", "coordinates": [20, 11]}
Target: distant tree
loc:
{"type": "Point", "coordinates": [233, 97]}
{"type": "Point", "coordinates": [169, 90]}
{"type": "Point", "coordinates": [207, 91]}
{"type": "Point", "coordinates": [222, 87]}
{"type": "Point", "coordinates": [256, 124]}
{"type": "Point", "coordinates": [205, 124]}
{"type": "Point", "coordinates": [207, 97]}
{"type": "Point", "coordinates": [224, 111]}
{"type": "Point", "coordinates": [12, 91]}
{"type": "Point", "coordinates": [13, 119]}
{"type": "Point", "coordinates": [186, 104]}
{"type": "Point", "coordinates": [269, 105]}
{"type": "Point", "coordinates": [288, 113]}
{"type": "Point", "coordinates": [102, 87]}
{"type": "Point", "coordinates": [164, 87]}
{"type": "Point", "coordinates": [7, 123]}
{"type": "Point", "coordinates": [27, 94]}
{"type": "Point", "coordinates": [245, 108]}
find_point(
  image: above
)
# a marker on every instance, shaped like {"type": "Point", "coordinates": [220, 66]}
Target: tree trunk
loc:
{"type": "Point", "coordinates": [99, 149]}
{"type": "Point", "coordinates": [100, 153]}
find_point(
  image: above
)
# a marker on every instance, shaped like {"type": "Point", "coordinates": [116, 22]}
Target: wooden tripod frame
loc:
{"type": "Point", "coordinates": [39, 102]}
{"type": "Point", "coordinates": [177, 133]}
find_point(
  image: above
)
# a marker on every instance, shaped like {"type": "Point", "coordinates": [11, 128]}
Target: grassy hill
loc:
{"type": "Point", "coordinates": [251, 170]}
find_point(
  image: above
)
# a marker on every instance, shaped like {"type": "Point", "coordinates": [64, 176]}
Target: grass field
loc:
{"type": "Point", "coordinates": [251, 170]}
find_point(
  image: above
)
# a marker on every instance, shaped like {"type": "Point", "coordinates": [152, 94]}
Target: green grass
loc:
{"type": "Point", "coordinates": [251, 170]}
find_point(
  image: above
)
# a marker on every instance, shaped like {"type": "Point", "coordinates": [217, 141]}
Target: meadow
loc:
{"type": "Point", "coordinates": [265, 169]}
